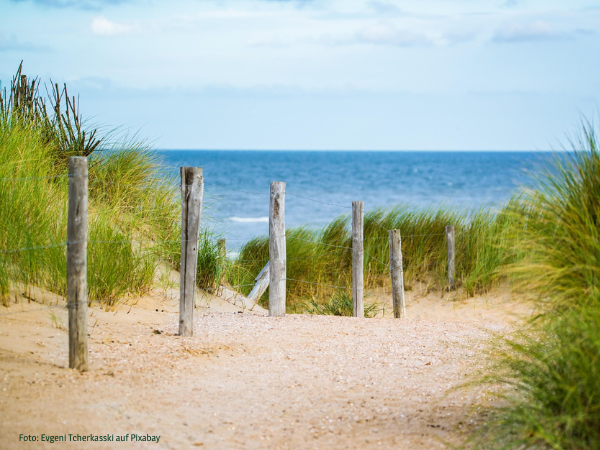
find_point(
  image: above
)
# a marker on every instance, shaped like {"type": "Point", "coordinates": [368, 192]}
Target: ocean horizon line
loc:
{"type": "Point", "coordinates": [353, 150]}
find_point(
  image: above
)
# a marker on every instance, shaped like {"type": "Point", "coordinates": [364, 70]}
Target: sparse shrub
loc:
{"type": "Point", "coordinates": [339, 304]}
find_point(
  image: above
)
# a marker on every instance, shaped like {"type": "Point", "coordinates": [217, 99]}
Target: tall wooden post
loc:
{"type": "Point", "coordinates": [358, 306]}
{"type": "Point", "coordinates": [451, 256]}
{"type": "Point", "coordinates": [192, 187]}
{"type": "Point", "coordinates": [77, 262]}
{"type": "Point", "coordinates": [277, 251]}
{"type": "Point", "coordinates": [397, 275]}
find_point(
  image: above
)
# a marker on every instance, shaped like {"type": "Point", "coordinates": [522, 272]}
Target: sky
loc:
{"type": "Point", "coordinates": [318, 74]}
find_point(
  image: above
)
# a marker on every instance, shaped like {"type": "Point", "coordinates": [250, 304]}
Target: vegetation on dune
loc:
{"type": "Point", "coordinates": [551, 369]}
{"type": "Point", "coordinates": [134, 215]}
{"type": "Point", "coordinates": [339, 304]}
{"type": "Point", "coordinates": [319, 262]}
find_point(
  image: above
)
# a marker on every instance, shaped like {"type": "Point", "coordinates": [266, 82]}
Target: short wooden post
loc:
{"type": "Point", "coordinates": [77, 262]}
{"type": "Point", "coordinates": [221, 244]}
{"type": "Point", "coordinates": [192, 187]}
{"type": "Point", "coordinates": [397, 274]}
{"type": "Point", "coordinates": [222, 247]}
{"type": "Point", "coordinates": [262, 283]}
{"type": "Point", "coordinates": [277, 252]}
{"type": "Point", "coordinates": [451, 256]}
{"type": "Point", "coordinates": [358, 306]}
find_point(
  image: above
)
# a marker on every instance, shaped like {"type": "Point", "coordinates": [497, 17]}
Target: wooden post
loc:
{"type": "Point", "coordinates": [358, 306]}
{"type": "Point", "coordinates": [397, 274]}
{"type": "Point", "coordinates": [277, 252]}
{"type": "Point", "coordinates": [262, 283]}
{"type": "Point", "coordinates": [77, 262]}
{"type": "Point", "coordinates": [451, 257]}
{"type": "Point", "coordinates": [192, 187]}
{"type": "Point", "coordinates": [221, 244]}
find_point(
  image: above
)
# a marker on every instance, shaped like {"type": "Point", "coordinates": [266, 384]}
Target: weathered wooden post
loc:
{"type": "Point", "coordinates": [451, 257]}
{"type": "Point", "coordinates": [77, 262]}
{"type": "Point", "coordinates": [222, 247]}
{"type": "Point", "coordinates": [262, 283]}
{"type": "Point", "coordinates": [397, 275]}
{"type": "Point", "coordinates": [277, 252]}
{"type": "Point", "coordinates": [358, 306]}
{"type": "Point", "coordinates": [221, 244]}
{"type": "Point", "coordinates": [192, 187]}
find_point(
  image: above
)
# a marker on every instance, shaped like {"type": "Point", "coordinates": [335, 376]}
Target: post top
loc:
{"type": "Point", "coordinates": [78, 166]}
{"type": "Point", "coordinates": [197, 170]}
{"type": "Point", "coordinates": [191, 175]}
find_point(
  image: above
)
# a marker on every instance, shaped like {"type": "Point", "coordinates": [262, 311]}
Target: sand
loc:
{"type": "Point", "coordinates": [247, 381]}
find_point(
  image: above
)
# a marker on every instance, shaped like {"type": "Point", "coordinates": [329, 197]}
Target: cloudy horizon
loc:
{"type": "Point", "coordinates": [318, 74]}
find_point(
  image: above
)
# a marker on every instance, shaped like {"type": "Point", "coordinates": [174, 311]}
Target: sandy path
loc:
{"type": "Point", "coordinates": [243, 381]}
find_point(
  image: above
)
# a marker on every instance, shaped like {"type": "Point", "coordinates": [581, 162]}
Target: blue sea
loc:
{"type": "Point", "coordinates": [321, 185]}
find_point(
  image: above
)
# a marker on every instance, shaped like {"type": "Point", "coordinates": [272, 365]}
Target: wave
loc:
{"type": "Point", "coordinates": [249, 219]}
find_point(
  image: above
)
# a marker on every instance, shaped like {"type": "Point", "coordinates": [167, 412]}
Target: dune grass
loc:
{"type": "Point", "coordinates": [134, 214]}
{"type": "Point", "coordinates": [550, 370]}
{"type": "Point", "coordinates": [319, 262]}
{"type": "Point", "coordinates": [35, 213]}
{"type": "Point", "coordinates": [339, 304]}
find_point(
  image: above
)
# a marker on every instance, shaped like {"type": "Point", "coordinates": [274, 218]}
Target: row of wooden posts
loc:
{"type": "Point", "coordinates": [273, 275]}
{"type": "Point", "coordinates": [276, 267]}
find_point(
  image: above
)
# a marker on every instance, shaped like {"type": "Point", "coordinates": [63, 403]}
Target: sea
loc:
{"type": "Point", "coordinates": [321, 185]}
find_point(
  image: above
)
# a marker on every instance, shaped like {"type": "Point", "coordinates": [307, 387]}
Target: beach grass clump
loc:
{"type": "Point", "coordinates": [56, 116]}
{"type": "Point", "coordinates": [133, 214]}
{"type": "Point", "coordinates": [319, 262]}
{"type": "Point", "coordinates": [213, 265]}
{"type": "Point", "coordinates": [33, 209]}
{"type": "Point", "coordinates": [551, 398]}
{"type": "Point", "coordinates": [339, 304]}
{"type": "Point", "coordinates": [33, 236]}
{"type": "Point", "coordinates": [550, 370]}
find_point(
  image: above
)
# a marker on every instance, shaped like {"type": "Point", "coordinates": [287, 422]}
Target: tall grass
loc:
{"type": "Point", "coordinates": [134, 214]}
{"type": "Point", "coordinates": [551, 370]}
{"type": "Point", "coordinates": [319, 262]}
{"type": "Point", "coordinates": [34, 209]}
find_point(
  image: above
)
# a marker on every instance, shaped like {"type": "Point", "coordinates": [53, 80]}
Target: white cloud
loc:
{"type": "Point", "coordinates": [535, 31]}
{"type": "Point", "coordinates": [104, 27]}
{"type": "Point", "coordinates": [381, 33]}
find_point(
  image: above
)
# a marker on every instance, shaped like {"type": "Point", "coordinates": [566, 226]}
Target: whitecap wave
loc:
{"type": "Point", "coordinates": [249, 219]}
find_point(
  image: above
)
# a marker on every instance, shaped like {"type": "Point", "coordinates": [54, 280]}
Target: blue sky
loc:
{"type": "Point", "coordinates": [318, 74]}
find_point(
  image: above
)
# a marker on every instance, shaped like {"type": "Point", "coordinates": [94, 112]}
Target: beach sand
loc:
{"type": "Point", "coordinates": [247, 381]}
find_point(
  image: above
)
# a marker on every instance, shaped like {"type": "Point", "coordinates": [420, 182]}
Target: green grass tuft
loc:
{"type": "Point", "coordinates": [339, 304]}
{"type": "Point", "coordinates": [550, 370]}
{"type": "Point", "coordinates": [133, 209]}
